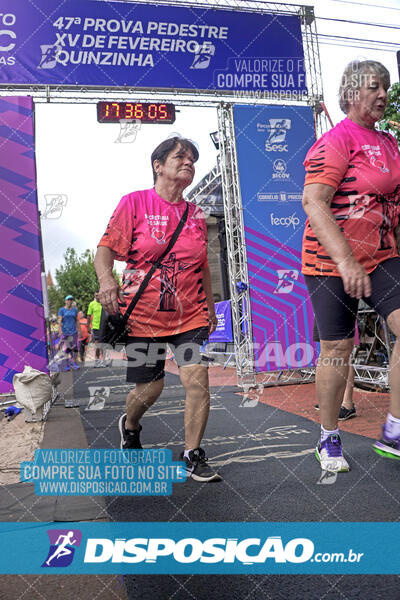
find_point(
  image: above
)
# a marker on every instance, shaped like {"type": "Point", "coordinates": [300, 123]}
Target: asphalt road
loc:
{"type": "Point", "coordinates": [266, 458]}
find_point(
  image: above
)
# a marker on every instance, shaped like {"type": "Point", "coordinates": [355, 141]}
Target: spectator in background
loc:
{"type": "Point", "coordinates": [69, 328]}
{"type": "Point", "coordinates": [83, 339]}
{"type": "Point", "coordinates": [93, 327]}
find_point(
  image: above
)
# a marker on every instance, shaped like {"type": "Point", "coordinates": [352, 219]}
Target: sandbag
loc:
{"type": "Point", "coordinates": [32, 388]}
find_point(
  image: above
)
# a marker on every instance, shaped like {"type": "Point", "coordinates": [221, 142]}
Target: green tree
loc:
{"type": "Point", "coordinates": [77, 276]}
{"type": "Point", "coordinates": [56, 299]}
{"type": "Point", "coordinates": [392, 112]}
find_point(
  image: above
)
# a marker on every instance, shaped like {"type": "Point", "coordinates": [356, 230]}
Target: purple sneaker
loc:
{"type": "Point", "coordinates": [329, 454]}
{"type": "Point", "coordinates": [387, 447]}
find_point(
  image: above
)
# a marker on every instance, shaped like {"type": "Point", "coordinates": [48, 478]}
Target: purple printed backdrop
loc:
{"type": "Point", "coordinates": [282, 314]}
{"type": "Point", "coordinates": [22, 324]}
{"type": "Point", "coordinates": [271, 143]}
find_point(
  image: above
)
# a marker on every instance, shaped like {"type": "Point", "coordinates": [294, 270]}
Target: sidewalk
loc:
{"type": "Point", "coordinates": [18, 502]}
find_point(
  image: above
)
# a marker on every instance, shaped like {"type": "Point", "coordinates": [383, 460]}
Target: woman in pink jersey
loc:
{"type": "Point", "coordinates": [177, 306]}
{"type": "Point", "coordinates": [351, 197]}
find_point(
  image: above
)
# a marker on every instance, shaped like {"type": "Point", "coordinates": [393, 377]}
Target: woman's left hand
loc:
{"type": "Point", "coordinates": [212, 323]}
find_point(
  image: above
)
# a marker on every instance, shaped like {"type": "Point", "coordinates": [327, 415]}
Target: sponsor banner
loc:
{"type": "Point", "coordinates": [103, 472]}
{"type": "Point", "coordinates": [275, 140]}
{"type": "Point", "coordinates": [198, 548]}
{"type": "Point", "coordinates": [223, 332]}
{"type": "Point", "coordinates": [147, 46]}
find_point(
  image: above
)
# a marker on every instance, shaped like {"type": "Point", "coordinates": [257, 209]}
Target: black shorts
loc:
{"type": "Point", "coordinates": [146, 356]}
{"type": "Point", "coordinates": [336, 312]}
{"type": "Point", "coordinates": [96, 334]}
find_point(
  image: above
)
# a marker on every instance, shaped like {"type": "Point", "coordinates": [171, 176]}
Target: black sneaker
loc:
{"type": "Point", "coordinates": [346, 413]}
{"type": "Point", "coordinates": [130, 440]}
{"type": "Point", "coordinates": [197, 467]}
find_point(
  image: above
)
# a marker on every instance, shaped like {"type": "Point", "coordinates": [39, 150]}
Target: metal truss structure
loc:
{"type": "Point", "coordinates": [372, 376]}
{"type": "Point", "coordinates": [371, 361]}
{"type": "Point", "coordinates": [237, 260]}
{"type": "Point", "coordinates": [207, 192]}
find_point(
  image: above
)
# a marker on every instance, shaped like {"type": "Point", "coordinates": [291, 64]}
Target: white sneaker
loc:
{"type": "Point", "coordinates": [329, 454]}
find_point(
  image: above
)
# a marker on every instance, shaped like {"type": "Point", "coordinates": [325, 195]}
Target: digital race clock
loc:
{"type": "Point", "coordinates": [146, 112]}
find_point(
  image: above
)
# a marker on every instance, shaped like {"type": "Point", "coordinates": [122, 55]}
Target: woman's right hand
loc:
{"type": "Point", "coordinates": [356, 281]}
{"type": "Point", "coordinates": [109, 293]}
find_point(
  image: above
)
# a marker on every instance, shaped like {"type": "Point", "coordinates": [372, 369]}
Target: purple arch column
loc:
{"type": "Point", "coordinates": [22, 323]}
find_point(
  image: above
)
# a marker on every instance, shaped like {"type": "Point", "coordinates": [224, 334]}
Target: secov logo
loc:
{"type": "Point", "coordinates": [280, 168]}
{"type": "Point", "coordinates": [286, 281]}
{"type": "Point", "coordinates": [278, 129]}
{"type": "Point", "coordinates": [291, 221]}
{"type": "Point", "coordinates": [62, 547]}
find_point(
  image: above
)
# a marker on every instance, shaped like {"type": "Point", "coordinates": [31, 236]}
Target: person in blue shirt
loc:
{"type": "Point", "coordinates": [69, 328]}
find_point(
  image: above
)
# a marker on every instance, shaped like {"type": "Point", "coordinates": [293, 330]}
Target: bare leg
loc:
{"type": "Point", "coordinates": [394, 324]}
{"type": "Point", "coordinates": [99, 351]}
{"type": "Point", "coordinates": [194, 378]}
{"type": "Point", "coordinates": [331, 377]}
{"type": "Point", "coordinates": [139, 400]}
{"type": "Point", "coordinates": [348, 392]}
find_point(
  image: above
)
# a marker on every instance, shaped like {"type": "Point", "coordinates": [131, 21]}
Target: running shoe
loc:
{"type": "Point", "coordinates": [347, 413]}
{"type": "Point", "coordinates": [197, 467]}
{"type": "Point", "coordinates": [329, 454]}
{"type": "Point", "coordinates": [344, 413]}
{"type": "Point", "coordinates": [387, 447]}
{"type": "Point", "coordinates": [130, 440]}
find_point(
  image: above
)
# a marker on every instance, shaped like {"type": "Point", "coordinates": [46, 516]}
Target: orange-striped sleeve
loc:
{"type": "Point", "coordinates": [327, 160]}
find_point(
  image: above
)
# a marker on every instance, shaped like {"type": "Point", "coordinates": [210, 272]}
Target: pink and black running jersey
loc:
{"type": "Point", "coordinates": [138, 231]}
{"type": "Point", "coordinates": [363, 165]}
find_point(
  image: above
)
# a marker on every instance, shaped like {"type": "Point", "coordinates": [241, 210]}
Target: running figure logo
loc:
{"type": "Point", "coordinates": [62, 547]}
{"type": "Point", "coordinates": [286, 281]}
{"type": "Point", "coordinates": [278, 129]}
{"type": "Point", "coordinates": [49, 56]}
{"type": "Point", "coordinates": [128, 131]}
{"type": "Point", "coordinates": [55, 203]}
{"type": "Point", "coordinates": [203, 56]}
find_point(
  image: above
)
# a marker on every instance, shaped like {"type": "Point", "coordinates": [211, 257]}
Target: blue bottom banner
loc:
{"type": "Point", "coordinates": [199, 548]}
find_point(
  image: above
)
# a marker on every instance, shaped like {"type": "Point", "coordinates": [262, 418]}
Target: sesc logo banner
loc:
{"type": "Point", "coordinates": [278, 129]}
{"type": "Point", "coordinates": [193, 550]}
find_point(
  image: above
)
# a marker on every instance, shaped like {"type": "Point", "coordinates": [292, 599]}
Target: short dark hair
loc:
{"type": "Point", "coordinates": [163, 149]}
